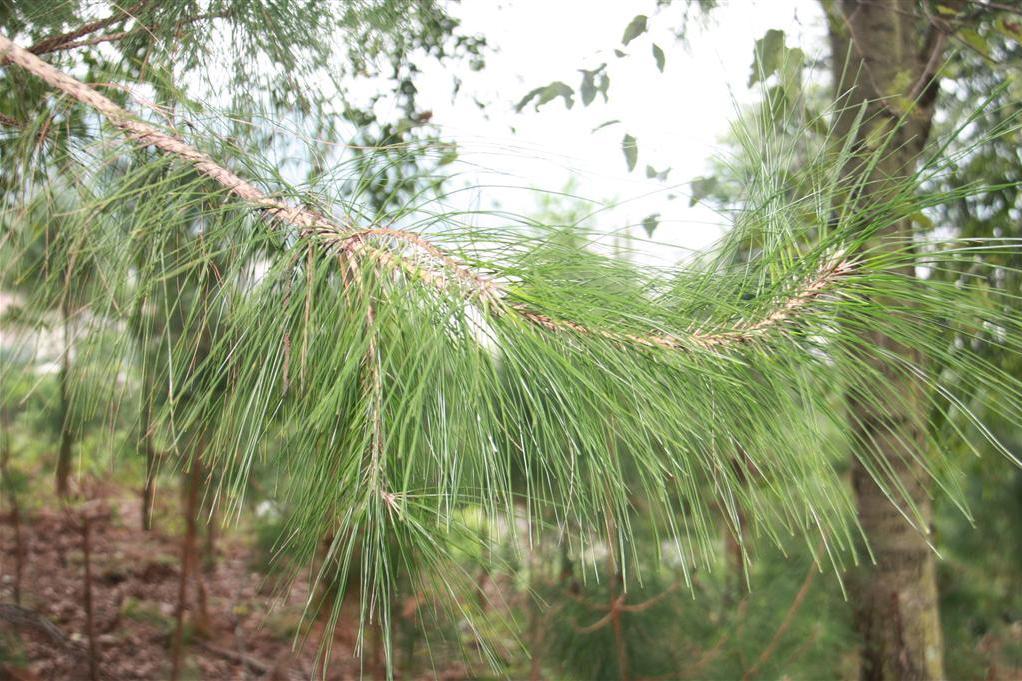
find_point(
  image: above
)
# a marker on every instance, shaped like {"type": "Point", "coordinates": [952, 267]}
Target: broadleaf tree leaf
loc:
{"type": "Point", "coordinates": [652, 173]}
{"type": "Point", "coordinates": [635, 28]}
{"type": "Point", "coordinates": [976, 41]}
{"type": "Point", "coordinates": [631, 149]}
{"type": "Point", "coordinates": [767, 56]}
{"type": "Point", "coordinates": [922, 221]}
{"type": "Point", "coordinates": [702, 187]}
{"type": "Point", "coordinates": [587, 89]}
{"type": "Point", "coordinates": [789, 71]}
{"type": "Point", "coordinates": [606, 124]}
{"type": "Point", "coordinates": [547, 93]}
{"type": "Point", "coordinates": [449, 156]}
{"type": "Point", "coordinates": [650, 223]}
{"type": "Point", "coordinates": [658, 55]}
{"type": "Point", "coordinates": [594, 81]}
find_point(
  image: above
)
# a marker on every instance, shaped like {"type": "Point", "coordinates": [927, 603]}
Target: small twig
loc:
{"type": "Point", "coordinates": [90, 627]}
{"type": "Point", "coordinates": [24, 618]}
{"type": "Point", "coordinates": [929, 71]}
{"type": "Point", "coordinates": [837, 267]}
{"type": "Point", "coordinates": [598, 624]}
{"type": "Point", "coordinates": [247, 661]}
{"type": "Point", "coordinates": [782, 629]}
{"type": "Point", "coordinates": [57, 41]}
{"type": "Point", "coordinates": [711, 654]}
{"type": "Point", "coordinates": [649, 603]}
{"type": "Point", "coordinates": [121, 35]}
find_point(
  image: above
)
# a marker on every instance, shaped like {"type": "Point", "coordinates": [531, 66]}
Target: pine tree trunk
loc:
{"type": "Point", "coordinates": [188, 555]}
{"type": "Point", "coordinates": [63, 473]}
{"type": "Point", "coordinates": [145, 426]}
{"type": "Point", "coordinates": [90, 625]}
{"type": "Point", "coordinates": [11, 493]}
{"type": "Point", "coordinates": [209, 526]}
{"type": "Point", "coordinates": [881, 55]}
{"type": "Point", "coordinates": [149, 490]}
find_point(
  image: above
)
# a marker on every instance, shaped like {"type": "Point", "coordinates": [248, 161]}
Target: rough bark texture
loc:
{"type": "Point", "coordinates": [884, 54]}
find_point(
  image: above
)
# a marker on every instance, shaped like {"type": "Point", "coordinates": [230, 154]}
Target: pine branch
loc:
{"type": "Point", "coordinates": [310, 223]}
{"type": "Point", "coordinates": [837, 267]}
{"type": "Point", "coordinates": [349, 240]}
{"type": "Point", "coordinates": [69, 44]}
{"type": "Point", "coordinates": [62, 40]}
{"type": "Point", "coordinates": [9, 122]}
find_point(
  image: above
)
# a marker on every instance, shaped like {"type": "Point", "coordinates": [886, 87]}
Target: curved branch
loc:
{"type": "Point", "coordinates": [838, 266]}
{"type": "Point", "coordinates": [309, 223]}
{"type": "Point", "coordinates": [348, 238]}
{"type": "Point", "coordinates": [782, 629]}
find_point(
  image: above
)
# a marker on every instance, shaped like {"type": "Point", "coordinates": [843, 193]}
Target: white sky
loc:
{"type": "Point", "coordinates": [678, 117]}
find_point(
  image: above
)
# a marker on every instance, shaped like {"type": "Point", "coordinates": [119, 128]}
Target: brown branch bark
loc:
{"type": "Point", "coordinates": [782, 629]}
{"type": "Point", "coordinates": [63, 471]}
{"type": "Point", "coordinates": [191, 507]}
{"type": "Point", "coordinates": [90, 623]}
{"type": "Point", "coordinates": [120, 35]}
{"type": "Point", "coordinates": [56, 42]}
{"type": "Point", "coordinates": [309, 223]}
{"type": "Point", "coordinates": [7, 486]}
{"type": "Point", "coordinates": [278, 671]}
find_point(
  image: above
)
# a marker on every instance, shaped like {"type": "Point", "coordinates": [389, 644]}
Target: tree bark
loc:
{"type": "Point", "coordinates": [11, 492]}
{"type": "Point", "coordinates": [883, 59]}
{"type": "Point", "coordinates": [146, 426]}
{"type": "Point", "coordinates": [63, 472]}
{"type": "Point", "coordinates": [188, 555]}
{"type": "Point", "coordinates": [90, 625]}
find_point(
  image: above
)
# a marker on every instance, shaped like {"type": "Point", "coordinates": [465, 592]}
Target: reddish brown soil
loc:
{"type": "Point", "coordinates": [135, 577]}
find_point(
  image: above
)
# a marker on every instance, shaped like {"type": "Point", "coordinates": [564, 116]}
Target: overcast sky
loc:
{"type": "Point", "coordinates": [678, 117]}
